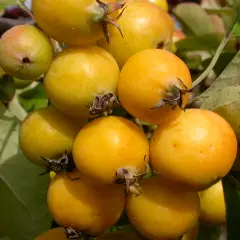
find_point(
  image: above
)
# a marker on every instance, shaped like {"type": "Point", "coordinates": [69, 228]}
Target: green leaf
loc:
{"type": "Point", "coordinates": [5, 3]}
{"type": "Point", "coordinates": [24, 212]}
{"type": "Point", "coordinates": [193, 61]}
{"type": "Point", "coordinates": [7, 88]}
{"type": "Point", "coordinates": [33, 99]}
{"type": "Point", "coordinates": [208, 42]}
{"type": "Point", "coordinates": [224, 59]}
{"type": "Point", "coordinates": [226, 102]}
{"type": "Point", "coordinates": [236, 31]}
{"type": "Point", "coordinates": [223, 96]}
{"type": "Point", "coordinates": [209, 232]}
{"type": "Point", "coordinates": [232, 198]}
{"type": "Point", "coordinates": [194, 17]}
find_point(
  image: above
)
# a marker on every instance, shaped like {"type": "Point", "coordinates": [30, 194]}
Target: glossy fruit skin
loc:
{"type": "Point", "coordinates": [213, 210]}
{"type": "Point", "coordinates": [91, 209]}
{"type": "Point", "coordinates": [107, 144]}
{"type": "Point", "coordinates": [18, 47]}
{"type": "Point", "coordinates": [53, 234]}
{"type": "Point", "coordinates": [163, 210]}
{"type": "Point", "coordinates": [47, 132]}
{"type": "Point", "coordinates": [197, 149]}
{"type": "Point", "coordinates": [73, 22]}
{"type": "Point", "coordinates": [163, 4]}
{"type": "Point", "coordinates": [144, 26]}
{"type": "Point", "coordinates": [143, 83]}
{"type": "Point", "coordinates": [77, 76]}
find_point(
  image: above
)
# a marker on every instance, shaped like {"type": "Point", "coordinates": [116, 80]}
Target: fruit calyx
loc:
{"type": "Point", "coordinates": [130, 180]}
{"type": "Point", "coordinates": [108, 9]}
{"type": "Point", "coordinates": [26, 60]}
{"type": "Point", "coordinates": [63, 164]}
{"type": "Point", "coordinates": [174, 96]}
{"type": "Point", "coordinates": [75, 235]}
{"type": "Point", "coordinates": [103, 103]}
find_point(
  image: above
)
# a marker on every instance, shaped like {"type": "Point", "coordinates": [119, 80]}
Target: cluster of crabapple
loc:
{"type": "Point", "coordinates": [95, 57]}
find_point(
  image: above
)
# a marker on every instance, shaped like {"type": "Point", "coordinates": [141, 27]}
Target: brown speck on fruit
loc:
{"type": "Point", "coordinates": [160, 45]}
{"type": "Point", "coordinates": [174, 145]}
{"type": "Point", "coordinates": [26, 60]}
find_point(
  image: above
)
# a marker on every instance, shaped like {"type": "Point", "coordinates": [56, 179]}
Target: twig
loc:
{"type": "Point", "coordinates": [22, 5]}
{"type": "Point", "coordinates": [214, 60]}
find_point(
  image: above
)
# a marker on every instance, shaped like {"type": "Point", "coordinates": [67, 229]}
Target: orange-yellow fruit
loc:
{"type": "Point", "coordinates": [25, 52]}
{"type": "Point", "coordinates": [144, 25]}
{"type": "Point", "coordinates": [161, 3]}
{"type": "Point", "coordinates": [73, 22]}
{"type": "Point", "coordinates": [197, 149]}
{"type": "Point", "coordinates": [77, 76]}
{"type": "Point", "coordinates": [213, 209]}
{"type": "Point", "coordinates": [53, 234]}
{"type": "Point", "coordinates": [145, 80]}
{"type": "Point", "coordinates": [163, 210]}
{"type": "Point", "coordinates": [121, 236]}
{"type": "Point", "coordinates": [108, 144]}
{"type": "Point", "coordinates": [47, 133]}
{"type": "Point", "coordinates": [91, 209]}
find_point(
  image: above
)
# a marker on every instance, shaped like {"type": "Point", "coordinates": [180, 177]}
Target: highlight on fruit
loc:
{"type": "Point", "coordinates": [119, 120]}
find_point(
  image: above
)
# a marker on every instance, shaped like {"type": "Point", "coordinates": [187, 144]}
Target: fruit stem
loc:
{"type": "Point", "coordinates": [138, 122]}
{"type": "Point", "coordinates": [215, 58]}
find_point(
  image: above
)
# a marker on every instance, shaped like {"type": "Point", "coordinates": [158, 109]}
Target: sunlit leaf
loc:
{"type": "Point", "coordinates": [194, 17]}
{"type": "Point", "coordinates": [232, 198]}
{"type": "Point", "coordinates": [34, 98]}
{"type": "Point", "coordinates": [7, 88]}
{"type": "Point", "coordinates": [208, 42]}
{"type": "Point", "coordinates": [23, 207]}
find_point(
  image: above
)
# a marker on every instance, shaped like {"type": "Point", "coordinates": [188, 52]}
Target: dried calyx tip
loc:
{"type": "Point", "coordinates": [63, 164]}
{"type": "Point", "coordinates": [75, 235]}
{"type": "Point", "coordinates": [174, 96]}
{"type": "Point", "coordinates": [131, 180]}
{"type": "Point", "coordinates": [103, 104]}
{"type": "Point", "coordinates": [108, 9]}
